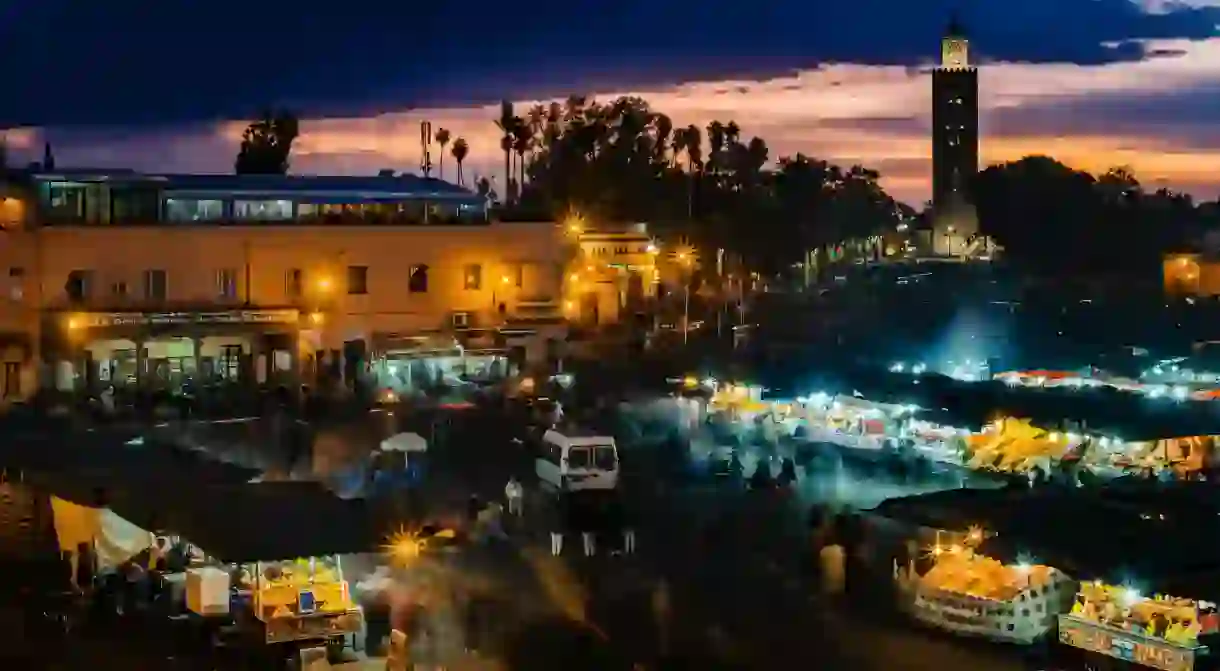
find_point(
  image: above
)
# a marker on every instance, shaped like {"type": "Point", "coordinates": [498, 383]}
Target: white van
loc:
{"type": "Point", "coordinates": [572, 460]}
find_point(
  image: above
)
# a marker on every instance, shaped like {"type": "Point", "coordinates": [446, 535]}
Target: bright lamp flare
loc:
{"type": "Point", "coordinates": [405, 546]}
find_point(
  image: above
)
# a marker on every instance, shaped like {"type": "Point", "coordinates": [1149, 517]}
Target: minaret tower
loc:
{"type": "Point", "coordinates": [955, 141]}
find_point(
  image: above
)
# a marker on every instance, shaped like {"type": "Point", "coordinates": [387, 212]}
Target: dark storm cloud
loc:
{"type": "Point", "coordinates": [1185, 119]}
{"type": "Point", "coordinates": [136, 61]}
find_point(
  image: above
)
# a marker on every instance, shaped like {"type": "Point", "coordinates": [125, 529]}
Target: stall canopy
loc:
{"type": "Point", "coordinates": [1105, 411]}
{"type": "Point", "coordinates": [1151, 536]}
{"type": "Point", "coordinates": [404, 442]}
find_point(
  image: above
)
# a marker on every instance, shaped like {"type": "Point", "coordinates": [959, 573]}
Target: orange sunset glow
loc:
{"type": "Point", "coordinates": [874, 115]}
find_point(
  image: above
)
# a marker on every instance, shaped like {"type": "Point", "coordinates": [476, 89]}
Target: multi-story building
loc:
{"type": "Point", "coordinates": [150, 280]}
{"type": "Point", "coordinates": [614, 274]}
{"type": "Point", "coordinates": [1191, 275]}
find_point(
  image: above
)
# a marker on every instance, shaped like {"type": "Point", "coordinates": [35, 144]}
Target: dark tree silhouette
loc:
{"type": "Point", "coordinates": [267, 144]}
{"type": "Point", "coordinates": [442, 138]}
{"type": "Point", "coordinates": [459, 151]}
{"type": "Point", "coordinates": [624, 161]}
{"type": "Point", "coordinates": [1056, 220]}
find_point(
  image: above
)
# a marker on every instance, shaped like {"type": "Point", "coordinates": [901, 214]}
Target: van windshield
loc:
{"type": "Point", "coordinates": [604, 458]}
{"type": "Point", "coordinates": [579, 457]}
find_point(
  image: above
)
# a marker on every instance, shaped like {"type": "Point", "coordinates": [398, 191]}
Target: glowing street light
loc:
{"type": "Point", "coordinates": [325, 284]}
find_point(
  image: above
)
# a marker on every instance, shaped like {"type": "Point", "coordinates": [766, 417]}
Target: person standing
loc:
{"type": "Point", "coordinates": [833, 561]}
{"type": "Point", "coordinates": [474, 506]}
{"type": "Point", "coordinates": [622, 521]}
{"type": "Point", "coordinates": [557, 512]}
{"type": "Point", "coordinates": [515, 494]}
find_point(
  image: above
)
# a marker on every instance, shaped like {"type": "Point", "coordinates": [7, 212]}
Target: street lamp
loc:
{"type": "Point", "coordinates": [687, 260]}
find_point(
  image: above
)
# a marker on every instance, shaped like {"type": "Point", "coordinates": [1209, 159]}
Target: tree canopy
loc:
{"type": "Point", "coordinates": [623, 161]}
{"type": "Point", "coordinates": [1055, 219]}
{"type": "Point", "coordinates": [719, 189]}
{"type": "Point", "coordinates": [266, 144]}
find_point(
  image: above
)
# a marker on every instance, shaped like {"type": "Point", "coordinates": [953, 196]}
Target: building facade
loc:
{"type": "Point", "coordinates": [1191, 275]}
{"type": "Point", "coordinates": [613, 275]}
{"type": "Point", "coordinates": [156, 281]}
{"type": "Point", "coordinates": [955, 145]}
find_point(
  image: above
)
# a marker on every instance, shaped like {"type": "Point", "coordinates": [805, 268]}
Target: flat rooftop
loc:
{"type": "Point", "coordinates": [383, 186]}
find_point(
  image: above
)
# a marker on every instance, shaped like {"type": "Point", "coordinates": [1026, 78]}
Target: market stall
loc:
{"type": "Point", "coordinates": [1157, 632]}
{"type": "Point", "coordinates": [1017, 446]}
{"type": "Point", "coordinates": [968, 593]}
{"type": "Point", "coordinates": [852, 422]}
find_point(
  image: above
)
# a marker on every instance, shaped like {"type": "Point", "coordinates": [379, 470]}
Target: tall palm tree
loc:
{"type": "Point", "coordinates": [442, 138]}
{"type": "Point", "coordinates": [460, 150]}
{"type": "Point", "coordinates": [505, 124]}
{"type": "Point", "coordinates": [523, 143]}
{"type": "Point", "coordinates": [506, 145]}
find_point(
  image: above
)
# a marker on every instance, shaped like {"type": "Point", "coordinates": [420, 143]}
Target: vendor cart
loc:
{"type": "Point", "coordinates": [1153, 632]}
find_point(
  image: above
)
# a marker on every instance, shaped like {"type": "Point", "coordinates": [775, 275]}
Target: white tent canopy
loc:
{"type": "Point", "coordinates": [114, 539]}
{"type": "Point", "coordinates": [404, 442]}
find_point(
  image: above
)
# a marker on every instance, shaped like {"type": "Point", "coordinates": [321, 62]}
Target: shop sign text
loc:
{"type": "Point", "coordinates": [97, 320]}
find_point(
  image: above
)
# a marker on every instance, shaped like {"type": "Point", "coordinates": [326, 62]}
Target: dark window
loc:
{"type": "Point", "coordinates": [294, 283]}
{"type": "Point", "coordinates": [12, 379]}
{"type": "Point", "coordinates": [16, 271]}
{"type": "Point", "coordinates": [135, 205]}
{"type": "Point", "coordinates": [579, 457]}
{"type": "Point", "coordinates": [604, 458]}
{"type": "Point", "coordinates": [226, 284]}
{"type": "Point", "coordinates": [78, 285]}
{"type": "Point", "coordinates": [154, 285]}
{"type": "Point", "coordinates": [118, 290]}
{"type": "Point", "coordinates": [418, 282]}
{"type": "Point", "coordinates": [357, 280]}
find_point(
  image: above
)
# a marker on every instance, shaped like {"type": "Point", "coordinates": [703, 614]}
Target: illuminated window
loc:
{"type": "Point", "coordinates": [472, 277]}
{"type": "Point", "coordinates": [263, 210]}
{"type": "Point", "coordinates": [185, 210]}
{"type": "Point", "coordinates": [65, 200]}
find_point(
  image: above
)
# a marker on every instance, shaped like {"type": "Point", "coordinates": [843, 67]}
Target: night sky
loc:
{"type": "Point", "coordinates": [165, 86]}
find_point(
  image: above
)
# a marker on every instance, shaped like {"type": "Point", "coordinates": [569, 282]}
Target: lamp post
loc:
{"type": "Point", "coordinates": [687, 260]}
